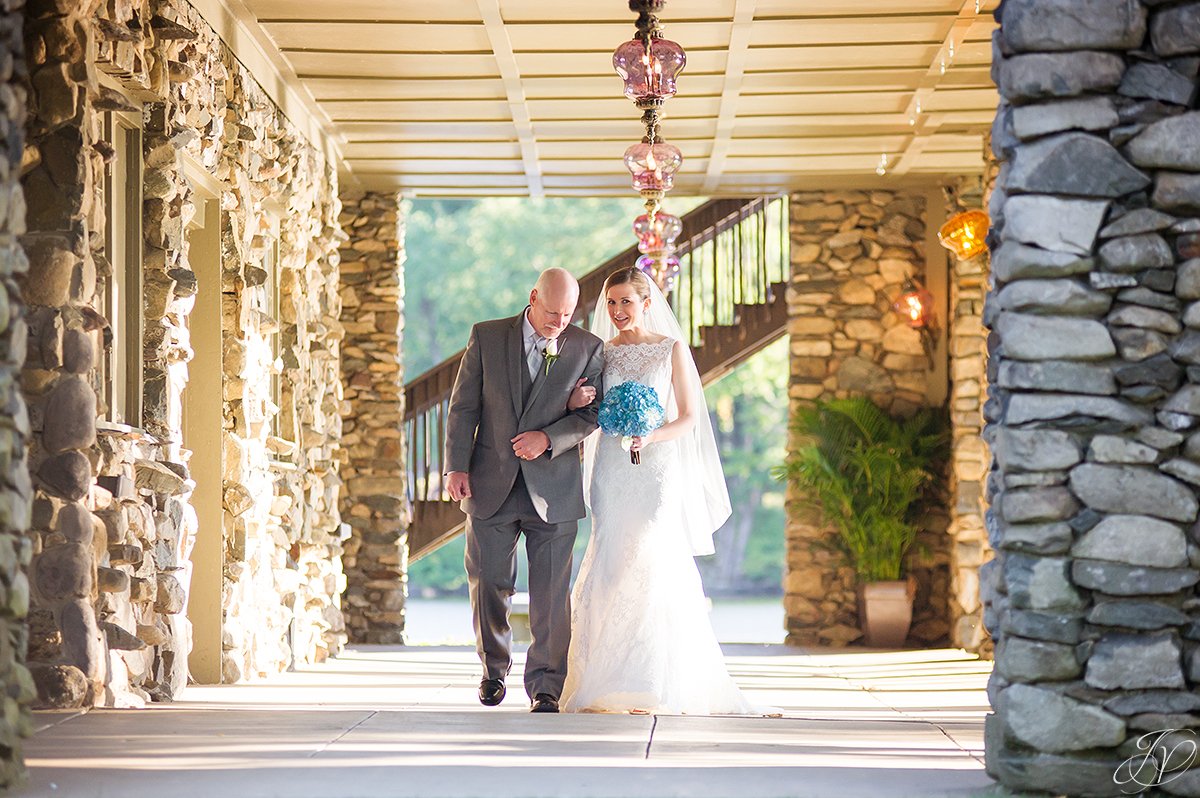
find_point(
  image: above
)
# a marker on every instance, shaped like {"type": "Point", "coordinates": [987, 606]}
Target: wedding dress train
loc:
{"type": "Point", "coordinates": [641, 638]}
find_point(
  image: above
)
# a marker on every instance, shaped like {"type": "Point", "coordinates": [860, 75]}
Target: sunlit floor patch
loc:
{"type": "Point", "coordinates": [393, 721]}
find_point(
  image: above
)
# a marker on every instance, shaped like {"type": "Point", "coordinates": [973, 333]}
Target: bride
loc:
{"type": "Point", "coordinates": [641, 640]}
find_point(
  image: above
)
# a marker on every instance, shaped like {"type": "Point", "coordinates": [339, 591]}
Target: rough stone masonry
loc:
{"type": "Point", "coordinates": [1093, 415]}
{"type": "Point", "coordinates": [851, 252]}
{"type": "Point", "coordinates": [113, 517]}
{"type": "Point", "coordinates": [375, 500]}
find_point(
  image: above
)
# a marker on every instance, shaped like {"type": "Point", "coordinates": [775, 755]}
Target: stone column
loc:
{"type": "Point", "coordinates": [1094, 409]}
{"type": "Point", "coordinates": [375, 502]}
{"type": "Point", "coordinates": [969, 455]}
{"type": "Point", "coordinates": [61, 188]}
{"type": "Point", "coordinates": [16, 548]}
{"type": "Point", "coordinates": [851, 253]}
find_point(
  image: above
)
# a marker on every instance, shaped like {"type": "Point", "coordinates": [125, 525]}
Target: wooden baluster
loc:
{"type": "Point", "coordinates": [716, 283]}
{"type": "Point", "coordinates": [691, 328]}
{"type": "Point", "coordinates": [764, 283]}
{"type": "Point", "coordinates": [785, 269]}
{"type": "Point", "coordinates": [735, 265]}
{"type": "Point", "coordinates": [433, 491]}
{"type": "Point", "coordinates": [426, 488]}
{"type": "Point", "coordinates": [730, 276]}
{"type": "Point", "coordinates": [409, 462]}
{"type": "Point", "coordinates": [415, 457]}
{"type": "Point", "coordinates": [443, 409]}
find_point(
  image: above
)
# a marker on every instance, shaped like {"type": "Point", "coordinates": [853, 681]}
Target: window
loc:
{"type": "Point", "coordinates": [271, 328]}
{"type": "Point", "coordinates": [120, 358]}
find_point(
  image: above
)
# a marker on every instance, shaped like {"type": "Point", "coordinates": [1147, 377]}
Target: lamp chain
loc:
{"type": "Point", "coordinates": [648, 27]}
{"type": "Point", "coordinates": [650, 119]}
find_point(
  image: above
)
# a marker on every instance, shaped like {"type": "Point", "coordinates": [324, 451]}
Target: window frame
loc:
{"type": "Point", "coordinates": [120, 365]}
{"type": "Point", "coordinates": [271, 308]}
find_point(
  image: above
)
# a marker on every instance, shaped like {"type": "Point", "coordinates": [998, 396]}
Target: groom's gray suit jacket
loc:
{"type": "Point", "coordinates": [494, 399]}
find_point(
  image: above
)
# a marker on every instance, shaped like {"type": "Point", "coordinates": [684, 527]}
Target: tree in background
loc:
{"type": "Point", "coordinates": [750, 423]}
{"type": "Point", "coordinates": [470, 260]}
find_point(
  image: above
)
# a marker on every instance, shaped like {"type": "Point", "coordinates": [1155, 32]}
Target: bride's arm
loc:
{"type": "Point", "coordinates": [684, 392]}
{"type": "Point", "coordinates": [569, 431]}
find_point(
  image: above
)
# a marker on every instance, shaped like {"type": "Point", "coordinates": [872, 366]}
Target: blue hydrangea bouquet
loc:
{"type": "Point", "coordinates": [631, 409]}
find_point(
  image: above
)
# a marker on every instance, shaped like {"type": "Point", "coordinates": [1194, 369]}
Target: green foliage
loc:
{"type": "Point", "coordinates": [471, 260]}
{"type": "Point", "coordinates": [749, 416]}
{"type": "Point", "coordinates": [440, 572]}
{"type": "Point", "coordinates": [867, 471]}
{"type": "Point", "coordinates": [763, 560]}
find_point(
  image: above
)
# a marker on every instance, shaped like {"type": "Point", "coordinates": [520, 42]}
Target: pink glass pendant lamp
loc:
{"type": "Point", "coordinates": [649, 70]}
{"type": "Point", "coordinates": [661, 268]}
{"type": "Point", "coordinates": [653, 166]}
{"type": "Point", "coordinates": [656, 241]}
{"type": "Point", "coordinates": [649, 65]}
{"type": "Point", "coordinates": [657, 234]}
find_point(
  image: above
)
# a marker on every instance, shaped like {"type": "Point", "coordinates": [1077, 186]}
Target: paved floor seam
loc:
{"type": "Point", "coordinates": [950, 737]}
{"type": "Point", "coordinates": [650, 741]}
{"type": "Point", "coordinates": [67, 717]}
{"type": "Point", "coordinates": [325, 747]}
{"type": "Point", "coordinates": [865, 687]}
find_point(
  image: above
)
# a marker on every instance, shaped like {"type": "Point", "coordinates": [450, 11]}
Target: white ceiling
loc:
{"type": "Point", "coordinates": [518, 97]}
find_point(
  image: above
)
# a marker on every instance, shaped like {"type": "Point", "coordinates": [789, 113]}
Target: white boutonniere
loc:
{"type": "Point", "coordinates": [550, 354]}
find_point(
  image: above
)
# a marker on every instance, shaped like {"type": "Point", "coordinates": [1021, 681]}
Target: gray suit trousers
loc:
{"type": "Point", "coordinates": [491, 562]}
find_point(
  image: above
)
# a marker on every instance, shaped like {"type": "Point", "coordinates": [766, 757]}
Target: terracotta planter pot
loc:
{"type": "Point", "coordinates": [885, 612]}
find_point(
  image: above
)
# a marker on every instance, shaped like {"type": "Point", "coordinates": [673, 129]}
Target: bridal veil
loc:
{"type": "Point", "coordinates": [705, 498]}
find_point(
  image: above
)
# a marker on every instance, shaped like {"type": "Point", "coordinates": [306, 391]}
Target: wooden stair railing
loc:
{"type": "Point", "coordinates": [730, 300]}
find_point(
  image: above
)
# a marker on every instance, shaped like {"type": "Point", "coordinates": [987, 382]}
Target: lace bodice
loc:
{"type": "Point", "coordinates": [649, 364]}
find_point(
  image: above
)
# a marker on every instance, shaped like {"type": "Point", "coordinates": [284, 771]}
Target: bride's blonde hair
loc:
{"type": "Point", "coordinates": [631, 275]}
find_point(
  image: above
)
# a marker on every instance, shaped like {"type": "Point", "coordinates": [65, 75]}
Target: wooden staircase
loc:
{"type": "Point", "coordinates": [730, 298]}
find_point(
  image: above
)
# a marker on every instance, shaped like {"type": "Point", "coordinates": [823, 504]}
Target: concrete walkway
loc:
{"type": "Point", "coordinates": [396, 722]}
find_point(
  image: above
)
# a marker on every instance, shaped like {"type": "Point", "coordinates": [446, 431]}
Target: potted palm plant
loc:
{"type": "Point", "coordinates": [868, 471]}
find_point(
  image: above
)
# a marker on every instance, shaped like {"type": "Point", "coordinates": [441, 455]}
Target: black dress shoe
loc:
{"type": "Point", "coordinates": [544, 702]}
{"type": "Point", "coordinates": [491, 692]}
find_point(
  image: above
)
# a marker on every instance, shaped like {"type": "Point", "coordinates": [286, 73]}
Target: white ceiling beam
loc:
{"type": "Point", "coordinates": [925, 124]}
{"type": "Point", "coordinates": [735, 68]}
{"type": "Point", "coordinates": [497, 34]}
{"type": "Point", "coordinates": [922, 136]}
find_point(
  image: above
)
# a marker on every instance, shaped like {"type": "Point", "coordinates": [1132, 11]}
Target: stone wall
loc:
{"type": "Point", "coordinates": [113, 520]}
{"type": "Point", "coordinates": [851, 253]}
{"type": "Point", "coordinates": [1094, 410]}
{"type": "Point", "coordinates": [66, 644]}
{"type": "Point", "coordinates": [375, 502]}
{"type": "Point", "coordinates": [970, 458]}
{"type": "Point", "coordinates": [15, 488]}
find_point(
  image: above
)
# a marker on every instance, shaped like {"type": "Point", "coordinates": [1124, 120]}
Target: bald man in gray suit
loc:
{"type": "Point", "coordinates": [512, 455]}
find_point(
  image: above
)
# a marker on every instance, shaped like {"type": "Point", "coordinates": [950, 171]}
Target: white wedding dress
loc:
{"type": "Point", "coordinates": [641, 638]}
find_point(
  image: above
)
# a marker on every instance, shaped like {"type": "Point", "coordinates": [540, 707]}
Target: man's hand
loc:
{"type": "Point", "coordinates": [530, 445]}
{"type": "Point", "coordinates": [458, 483]}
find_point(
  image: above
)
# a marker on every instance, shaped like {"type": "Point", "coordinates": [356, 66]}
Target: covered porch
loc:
{"type": "Point", "coordinates": [393, 722]}
{"type": "Point", "coordinates": [210, 474]}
